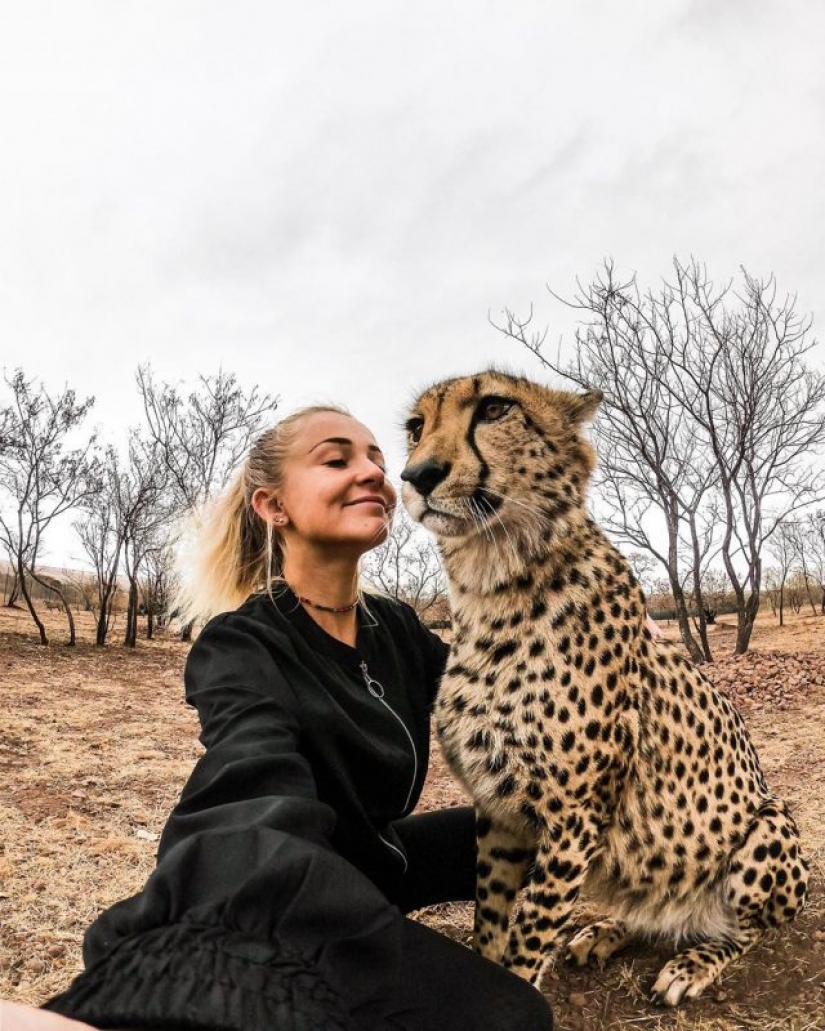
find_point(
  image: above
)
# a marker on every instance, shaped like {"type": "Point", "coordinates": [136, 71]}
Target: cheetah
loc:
{"type": "Point", "coordinates": [599, 759]}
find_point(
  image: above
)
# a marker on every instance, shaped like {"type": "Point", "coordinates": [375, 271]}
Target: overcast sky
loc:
{"type": "Point", "coordinates": [328, 198]}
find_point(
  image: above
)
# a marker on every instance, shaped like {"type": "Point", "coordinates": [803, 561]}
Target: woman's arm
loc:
{"type": "Point", "coordinates": [245, 854]}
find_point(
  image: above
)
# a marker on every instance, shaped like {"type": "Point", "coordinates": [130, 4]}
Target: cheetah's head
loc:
{"type": "Point", "coordinates": [495, 450]}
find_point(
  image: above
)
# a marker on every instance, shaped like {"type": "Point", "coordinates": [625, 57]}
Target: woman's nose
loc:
{"type": "Point", "coordinates": [370, 472]}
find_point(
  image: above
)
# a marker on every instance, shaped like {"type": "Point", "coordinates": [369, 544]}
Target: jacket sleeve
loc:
{"type": "Point", "coordinates": [247, 847]}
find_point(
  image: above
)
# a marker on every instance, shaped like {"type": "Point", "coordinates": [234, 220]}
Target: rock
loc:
{"type": "Point", "coordinates": [772, 678]}
{"type": "Point", "coordinates": [578, 999]}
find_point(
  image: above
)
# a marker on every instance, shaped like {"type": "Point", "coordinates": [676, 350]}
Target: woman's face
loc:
{"type": "Point", "coordinates": [334, 489]}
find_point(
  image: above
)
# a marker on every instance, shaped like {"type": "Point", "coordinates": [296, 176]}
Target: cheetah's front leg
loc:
{"type": "Point", "coordinates": [554, 883]}
{"type": "Point", "coordinates": [688, 974]}
{"type": "Point", "coordinates": [503, 858]}
{"type": "Point", "coordinates": [767, 884]}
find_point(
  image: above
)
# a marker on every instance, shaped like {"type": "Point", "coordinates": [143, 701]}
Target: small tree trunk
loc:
{"type": "Point", "coordinates": [701, 610]}
{"type": "Point", "coordinates": [781, 606]}
{"type": "Point", "coordinates": [24, 590]}
{"type": "Point", "coordinates": [703, 632]}
{"type": "Point", "coordinates": [683, 619]}
{"type": "Point", "coordinates": [104, 618]}
{"type": "Point", "coordinates": [102, 627]}
{"type": "Point", "coordinates": [69, 617]}
{"type": "Point", "coordinates": [130, 639]}
{"type": "Point", "coordinates": [679, 602]}
{"type": "Point", "coordinates": [150, 623]}
{"type": "Point", "coordinates": [810, 593]}
{"type": "Point", "coordinates": [12, 595]}
{"type": "Point", "coordinates": [746, 620]}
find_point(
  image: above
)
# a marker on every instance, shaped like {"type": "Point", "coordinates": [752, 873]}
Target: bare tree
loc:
{"type": "Point", "coordinates": [783, 548]}
{"type": "Point", "coordinates": [203, 435]}
{"type": "Point", "coordinates": [809, 545]}
{"type": "Point", "coordinates": [771, 585]}
{"type": "Point", "coordinates": [41, 478]}
{"type": "Point", "coordinates": [101, 531]}
{"type": "Point", "coordinates": [144, 516]}
{"type": "Point", "coordinates": [158, 585]}
{"type": "Point", "coordinates": [644, 565]}
{"type": "Point", "coordinates": [711, 416]}
{"type": "Point", "coordinates": [407, 567]}
{"type": "Point", "coordinates": [814, 544]}
{"type": "Point", "coordinates": [10, 591]}
{"type": "Point", "coordinates": [84, 587]}
{"type": "Point", "coordinates": [795, 591]}
{"type": "Point", "coordinates": [7, 422]}
{"type": "Point", "coordinates": [11, 588]}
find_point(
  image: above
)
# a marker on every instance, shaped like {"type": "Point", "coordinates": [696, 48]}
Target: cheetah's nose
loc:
{"type": "Point", "coordinates": [425, 476]}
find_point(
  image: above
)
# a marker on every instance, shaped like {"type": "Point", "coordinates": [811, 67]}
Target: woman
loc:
{"type": "Point", "coordinates": [284, 870]}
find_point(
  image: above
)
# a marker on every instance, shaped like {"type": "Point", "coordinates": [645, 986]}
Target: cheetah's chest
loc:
{"type": "Point", "coordinates": [479, 744]}
{"type": "Point", "coordinates": [517, 720]}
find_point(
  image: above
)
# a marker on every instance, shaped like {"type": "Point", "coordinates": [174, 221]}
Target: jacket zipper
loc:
{"type": "Point", "coordinates": [389, 844]}
{"type": "Point", "coordinates": [377, 691]}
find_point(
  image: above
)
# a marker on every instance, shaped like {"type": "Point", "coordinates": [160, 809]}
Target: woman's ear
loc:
{"type": "Point", "coordinates": [268, 507]}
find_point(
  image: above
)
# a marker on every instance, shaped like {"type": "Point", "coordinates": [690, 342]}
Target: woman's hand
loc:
{"type": "Point", "coordinates": [16, 1017]}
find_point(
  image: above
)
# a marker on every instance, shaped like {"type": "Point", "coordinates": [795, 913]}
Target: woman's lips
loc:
{"type": "Point", "coordinates": [370, 501]}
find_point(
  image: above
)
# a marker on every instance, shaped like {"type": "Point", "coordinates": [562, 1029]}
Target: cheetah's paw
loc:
{"type": "Point", "coordinates": [597, 942]}
{"type": "Point", "coordinates": [681, 979]}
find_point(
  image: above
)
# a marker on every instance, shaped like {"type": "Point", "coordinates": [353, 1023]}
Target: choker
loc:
{"type": "Point", "coordinates": [325, 608]}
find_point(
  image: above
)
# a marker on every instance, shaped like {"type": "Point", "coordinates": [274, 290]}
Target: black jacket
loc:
{"type": "Point", "coordinates": [269, 904]}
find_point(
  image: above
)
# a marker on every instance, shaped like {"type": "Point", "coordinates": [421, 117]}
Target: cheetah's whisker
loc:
{"type": "Point", "coordinates": [478, 519]}
{"type": "Point", "coordinates": [534, 510]}
{"type": "Point", "coordinates": [510, 540]}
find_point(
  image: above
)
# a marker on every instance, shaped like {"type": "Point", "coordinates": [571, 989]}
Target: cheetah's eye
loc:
{"type": "Point", "coordinates": [414, 429]}
{"type": "Point", "coordinates": [491, 409]}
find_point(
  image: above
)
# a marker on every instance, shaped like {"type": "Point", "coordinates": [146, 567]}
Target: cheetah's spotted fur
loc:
{"type": "Point", "coordinates": [597, 758]}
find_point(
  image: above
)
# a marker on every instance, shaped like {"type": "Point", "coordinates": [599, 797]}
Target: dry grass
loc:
{"type": "Point", "coordinates": [95, 746]}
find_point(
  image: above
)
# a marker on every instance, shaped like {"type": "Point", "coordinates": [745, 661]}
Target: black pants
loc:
{"type": "Point", "coordinates": [448, 985]}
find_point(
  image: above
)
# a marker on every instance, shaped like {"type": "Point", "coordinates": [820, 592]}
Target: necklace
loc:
{"type": "Point", "coordinates": [326, 608]}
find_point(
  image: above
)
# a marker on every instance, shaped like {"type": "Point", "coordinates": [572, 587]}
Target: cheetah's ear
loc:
{"type": "Point", "coordinates": [581, 407]}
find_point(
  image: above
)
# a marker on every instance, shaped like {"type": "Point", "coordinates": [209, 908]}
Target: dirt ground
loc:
{"type": "Point", "coordinates": [95, 745]}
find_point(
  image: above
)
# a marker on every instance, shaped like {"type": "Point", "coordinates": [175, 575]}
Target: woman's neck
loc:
{"type": "Point", "coordinates": [331, 583]}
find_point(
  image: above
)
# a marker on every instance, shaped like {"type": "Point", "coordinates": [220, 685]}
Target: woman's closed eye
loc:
{"type": "Point", "coordinates": [341, 463]}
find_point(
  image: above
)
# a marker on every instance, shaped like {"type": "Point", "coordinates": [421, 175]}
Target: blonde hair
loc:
{"type": "Point", "coordinates": [231, 551]}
